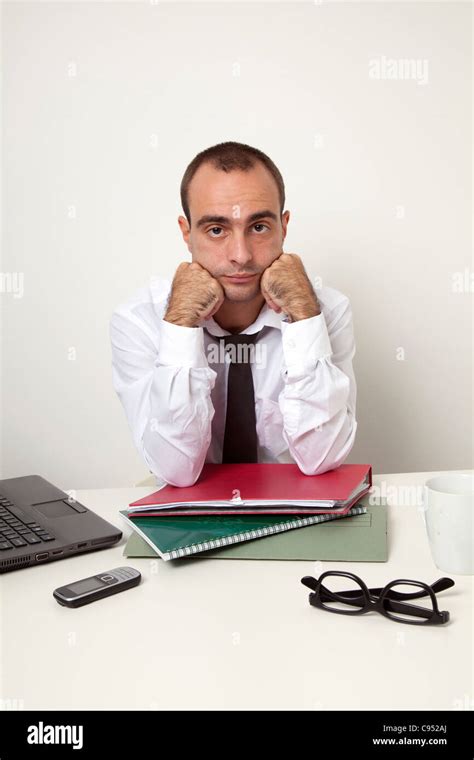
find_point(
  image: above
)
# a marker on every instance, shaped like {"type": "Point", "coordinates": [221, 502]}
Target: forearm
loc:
{"type": "Point", "coordinates": [319, 430]}
{"type": "Point", "coordinates": [165, 389]}
{"type": "Point", "coordinates": [318, 398]}
{"type": "Point", "coordinates": [180, 412]}
{"type": "Point", "coordinates": [178, 428]}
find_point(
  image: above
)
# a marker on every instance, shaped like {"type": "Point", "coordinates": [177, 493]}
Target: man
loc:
{"type": "Point", "coordinates": [239, 358]}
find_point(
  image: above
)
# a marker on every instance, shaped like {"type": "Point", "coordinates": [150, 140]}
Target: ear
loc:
{"type": "Point", "coordinates": [285, 218]}
{"type": "Point", "coordinates": [185, 229]}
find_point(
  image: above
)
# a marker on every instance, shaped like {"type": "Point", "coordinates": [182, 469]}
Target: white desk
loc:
{"type": "Point", "coordinates": [231, 634]}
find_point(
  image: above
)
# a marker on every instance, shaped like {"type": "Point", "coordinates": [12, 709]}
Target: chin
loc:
{"type": "Point", "coordinates": [241, 294]}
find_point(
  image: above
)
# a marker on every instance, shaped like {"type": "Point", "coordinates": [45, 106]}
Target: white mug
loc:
{"type": "Point", "coordinates": [448, 507]}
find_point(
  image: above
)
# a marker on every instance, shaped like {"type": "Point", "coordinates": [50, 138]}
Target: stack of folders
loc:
{"type": "Point", "coordinates": [231, 503]}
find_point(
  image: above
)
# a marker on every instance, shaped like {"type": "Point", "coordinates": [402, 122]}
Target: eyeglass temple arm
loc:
{"type": "Point", "coordinates": [407, 609]}
{"type": "Point", "coordinates": [440, 585]}
{"type": "Point", "coordinates": [389, 604]}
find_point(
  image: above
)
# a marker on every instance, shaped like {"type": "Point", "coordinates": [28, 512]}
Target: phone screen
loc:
{"type": "Point", "coordinates": [88, 584]}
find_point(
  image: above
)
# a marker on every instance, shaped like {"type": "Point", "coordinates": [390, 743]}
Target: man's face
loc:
{"type": "Point", "coordinates": [236, 226]}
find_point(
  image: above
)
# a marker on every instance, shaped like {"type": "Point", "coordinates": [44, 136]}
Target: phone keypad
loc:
{"type": "Point", "coordinates": [123, 573]}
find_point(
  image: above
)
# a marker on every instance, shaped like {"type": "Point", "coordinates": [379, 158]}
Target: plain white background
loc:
{"type": "Point", "coordinates": [105, 104]}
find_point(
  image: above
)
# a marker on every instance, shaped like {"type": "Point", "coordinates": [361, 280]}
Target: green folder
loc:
{"type": "Point", "coordinates": [361, 538]}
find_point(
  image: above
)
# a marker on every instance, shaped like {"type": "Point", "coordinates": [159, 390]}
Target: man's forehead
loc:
{"type": "Point", "coordinates": [213, 190]}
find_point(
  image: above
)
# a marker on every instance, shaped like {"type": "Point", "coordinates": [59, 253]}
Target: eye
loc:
{"type": "Point", "coordinates": [261, 224]}
{"type": "Point", "coordinates": [213, 229]}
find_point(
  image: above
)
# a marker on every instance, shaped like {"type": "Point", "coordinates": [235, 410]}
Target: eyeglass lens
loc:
{"type": "Point", "coordinates": [418, 610]}
{"type": "Point", "coordinates": [333, 598]}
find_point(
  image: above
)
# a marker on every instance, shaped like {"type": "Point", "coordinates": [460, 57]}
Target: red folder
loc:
{"type": "Point", "coordinates": [265, 488]}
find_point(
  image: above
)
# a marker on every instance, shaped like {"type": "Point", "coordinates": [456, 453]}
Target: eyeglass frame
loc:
{"type": "Point", "coordinates": [382, 600]}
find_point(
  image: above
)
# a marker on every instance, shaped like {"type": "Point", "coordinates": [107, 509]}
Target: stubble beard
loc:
{"type": "Point", "coordinates": [241, 293]}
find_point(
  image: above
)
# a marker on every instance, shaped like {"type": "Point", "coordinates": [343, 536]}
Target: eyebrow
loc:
{"type": "Point", "coordinates": [266, 213]}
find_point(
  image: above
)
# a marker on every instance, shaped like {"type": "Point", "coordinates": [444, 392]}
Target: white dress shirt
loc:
{"type": "Point", "coordinates": [172, 382]}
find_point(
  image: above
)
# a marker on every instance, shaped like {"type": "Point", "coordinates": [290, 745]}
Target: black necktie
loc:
{"type": "Point", "coordinates": [240, 436]}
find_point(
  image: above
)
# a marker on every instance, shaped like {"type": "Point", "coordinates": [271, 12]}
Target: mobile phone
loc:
{"type": "Point", "coordinates": [97, 586]}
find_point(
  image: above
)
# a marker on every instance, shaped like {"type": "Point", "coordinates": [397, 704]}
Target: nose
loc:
{"type": "Point", "coordinates": [239, 253]}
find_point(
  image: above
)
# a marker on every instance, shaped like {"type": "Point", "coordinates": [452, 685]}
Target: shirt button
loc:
{"type": "Point", "coordinates": [291, 343]}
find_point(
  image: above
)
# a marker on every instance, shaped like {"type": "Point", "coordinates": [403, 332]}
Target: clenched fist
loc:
{"type": "Point", "coordinates": [195, 295]}
{"type": "Point", "coordinates": [286, 287]}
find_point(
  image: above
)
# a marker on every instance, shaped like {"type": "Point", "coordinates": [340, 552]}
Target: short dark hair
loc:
{"type": "Point", "coordinates": [228, 156]}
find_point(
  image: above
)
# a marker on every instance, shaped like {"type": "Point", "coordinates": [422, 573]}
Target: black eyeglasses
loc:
{"type": "Point", "coordinates": [388, 601]}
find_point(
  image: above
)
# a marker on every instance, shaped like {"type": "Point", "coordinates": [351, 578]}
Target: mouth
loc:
{"type": "Point", "coordinates": [240, 278]}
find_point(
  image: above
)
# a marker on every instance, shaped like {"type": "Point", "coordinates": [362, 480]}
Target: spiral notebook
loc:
{"type": "Point", "coordinates": [363, 538]}
{"type": "Point", "coordinates": [176, 537]}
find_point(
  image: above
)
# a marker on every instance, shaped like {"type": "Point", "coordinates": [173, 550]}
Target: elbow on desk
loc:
{"type": "Point", "coordinates": [180, 480]}
{"type": "Point", "coordinates": [334, 457]}
{"type": "Point", "coordinates": [181, 474]}
{"type": "Point", "coordinates": [172, 460]}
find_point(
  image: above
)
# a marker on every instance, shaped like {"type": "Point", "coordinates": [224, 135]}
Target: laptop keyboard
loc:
{"type": "Point", "coordinates": [15, 531]}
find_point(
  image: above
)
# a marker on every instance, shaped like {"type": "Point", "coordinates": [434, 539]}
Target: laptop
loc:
{"type": "Point", "coordinates": [40, 523]}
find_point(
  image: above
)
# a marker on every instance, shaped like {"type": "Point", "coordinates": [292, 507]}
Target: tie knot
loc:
{"type": "Point", "coordinates": [240, 347]}
{"type": "Point", "coordinates": [241, 339]}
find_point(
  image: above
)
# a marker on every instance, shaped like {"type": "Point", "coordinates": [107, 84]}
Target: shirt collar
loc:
{"type": "Point", "coordinates": [266, 317]}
